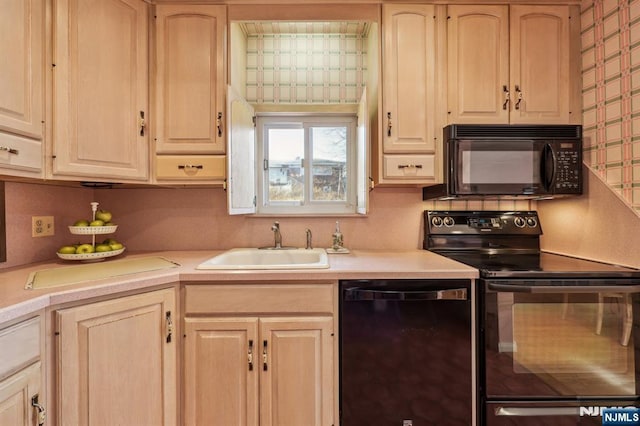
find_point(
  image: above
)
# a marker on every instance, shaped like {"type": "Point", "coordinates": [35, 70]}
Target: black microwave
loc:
{"type": "Point", "coordinates": [523, 161]}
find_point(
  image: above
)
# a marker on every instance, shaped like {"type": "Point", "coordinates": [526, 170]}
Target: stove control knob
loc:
{"type": "Point", "coordinates": [519, 222]}
{"type": "Point", "coordinates": [532, 222]}
{"type": "Point", "coordinates": [448, 221]}
{"type": "Point", "coordinates": [436, 221]}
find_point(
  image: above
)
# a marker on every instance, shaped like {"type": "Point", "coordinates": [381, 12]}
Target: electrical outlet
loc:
{"type": "Point", "coordinates": [42, 226]}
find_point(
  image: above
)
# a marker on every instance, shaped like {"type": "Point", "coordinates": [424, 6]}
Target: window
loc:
{"type": "Point", "coordinates": [306, 164]}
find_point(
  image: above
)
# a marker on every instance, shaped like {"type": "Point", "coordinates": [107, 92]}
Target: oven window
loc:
{"type": "Point", "coordinates": [560, 344]}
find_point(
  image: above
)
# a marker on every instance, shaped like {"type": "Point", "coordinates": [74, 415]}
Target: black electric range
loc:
{"type": "Point", "coordinates": [507, 245]}
{"type": "Point", "coordinates": [557, 341]}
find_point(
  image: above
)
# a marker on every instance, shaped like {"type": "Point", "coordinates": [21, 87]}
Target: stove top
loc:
{"type": "Point", "coordinates": [539, 265]}
{"type": "Point", "coordinates": [507, 245]}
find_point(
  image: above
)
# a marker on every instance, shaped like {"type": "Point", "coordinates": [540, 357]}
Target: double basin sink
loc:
{"type": "Point", "coordinates": [254, 258]}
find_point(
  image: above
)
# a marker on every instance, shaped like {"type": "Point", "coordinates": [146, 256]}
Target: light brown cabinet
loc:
{"type": "Point", "coordinates": [116, 361]}
{"type": "Point", "coordinates": [22, 47]}
{"type": "Point", "coordinates": [22, 345]}
{"type": "Point", "coordinates": [410, 96]}
{"type": "Point", "coordinates": [513, 64]}
{"type": "Point", "coordinates": [261, 354]}
{"type": "Point", "coordinates": [100, 91]}
{"type": "Point", "coordinates": [19, 395]}
{"type": "Point", "coordinates": [190, 86]}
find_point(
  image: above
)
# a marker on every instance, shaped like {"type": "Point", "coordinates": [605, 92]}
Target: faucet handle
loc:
{"type": "Point", "coordinates": [308, 232]}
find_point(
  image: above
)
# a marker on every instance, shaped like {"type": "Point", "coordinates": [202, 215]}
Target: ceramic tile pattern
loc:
{"type": "Point", "coordinates": [306, 68]}
{"type": "Point", "coordinates": [611, 93]}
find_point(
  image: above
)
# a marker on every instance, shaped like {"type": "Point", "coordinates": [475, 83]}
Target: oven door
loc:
{"type": "Point", "coordinates": [548, 339]}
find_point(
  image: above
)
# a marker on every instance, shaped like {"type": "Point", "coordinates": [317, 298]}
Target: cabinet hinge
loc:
{"type": "Point", "coordinates": [254, 120]}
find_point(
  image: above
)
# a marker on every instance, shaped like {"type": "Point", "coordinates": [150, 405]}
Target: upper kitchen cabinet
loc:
{"type": "Point", "coordinates": [190, 84]}
{"type": "Point", "coordinates": [410, 126]}
{"type": "Point", "coordinates": [513, 64]}
{"type": "Point", "coordinates": [100, 91]}
{"type": "Point", "coordinates": [22, 47]}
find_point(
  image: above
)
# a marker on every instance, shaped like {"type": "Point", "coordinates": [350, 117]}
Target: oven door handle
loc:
{"type": "Point", "coordinates": [523, 288]}
{"type": "Point", "coordinates": [359, 294]}
{"type": "Point", "coordinates": [537, 411]}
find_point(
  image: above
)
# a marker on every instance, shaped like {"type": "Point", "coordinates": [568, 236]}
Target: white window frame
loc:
{"type": "Point", "coordinates": [306, 121]}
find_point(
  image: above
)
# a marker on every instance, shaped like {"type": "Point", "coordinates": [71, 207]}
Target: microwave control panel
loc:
{"type": "Point", "coordinates": [568, 168]}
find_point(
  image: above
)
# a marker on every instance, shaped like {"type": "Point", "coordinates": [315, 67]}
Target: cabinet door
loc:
{"type": "Point", "coordinates": [16, 393]}
{"type": "Point", "coordinates": [540, 59]}
{"type": "Point", "coordinates": [22, 50]}
{"type": "Point", "coordinates": [117, 361]}
{"type": "Point", "coordinates": [221, 363]}
{"type": "Point", "coordinates": [190, 80]}
{"type": "Point", "coordinates": [100, 90]}
{"type": "Point", "coordinates": [478, 64]}
{"type": "Point", "coordinates": [21, 87]}
{"type": "Point", "coordinates": [296, 384]}
{"type": "Point", "coordinates": [409, 51]}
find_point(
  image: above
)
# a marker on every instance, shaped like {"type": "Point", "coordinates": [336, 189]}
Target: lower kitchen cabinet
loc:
{"type": "Point", "coordinates": [19, 398]}
{"type": "Point", "coordinates": [270, 363]}
{"type": "Point", "coordinates": [116, 361]}
{"type": "Point", "coordinates": [21, 347]}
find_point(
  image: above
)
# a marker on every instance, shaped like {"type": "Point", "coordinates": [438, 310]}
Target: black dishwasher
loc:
{"type": "Point", "coordinates": [406, 353]}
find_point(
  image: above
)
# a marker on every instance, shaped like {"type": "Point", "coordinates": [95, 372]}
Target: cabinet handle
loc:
{"type": "Point", "coordinates": [505, 105]}
{"type": "Point", "coordinates": [190, 166]}
{"type": "Point", "coordinates": [219, 124]}
{"type": "Point", "coordinates": [388, 124]}
{"type": "Point", "coordinates": [41, 413]}
{"type": "Point", "coordinates": [518, 96]}
{"type": "Point", "coordinates": [250, 355]}
{"type": "Point", "coordinates": [142, 123]}
{"type": "Point", "coordinates": [169, 322]}
{"type": "Point", "coordinates": [264, 355]}
{"type": "Point", "coordinates": [409, 166]}
{"type": "Point", "coordinates": [9, 150]}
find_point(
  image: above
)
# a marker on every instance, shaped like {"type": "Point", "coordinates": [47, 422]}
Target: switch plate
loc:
{"type": "Point", "coordinates": [42, 226]}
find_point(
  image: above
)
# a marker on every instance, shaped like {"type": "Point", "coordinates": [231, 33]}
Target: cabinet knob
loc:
{"type": "Point", "coordinates": [518, 96]}
{"type": "Point", "coordinates": [219, 124]}
{"type": "Point", "coordinates": [507, 98]}
{"type": "Point", "coordinates": [264, 355]}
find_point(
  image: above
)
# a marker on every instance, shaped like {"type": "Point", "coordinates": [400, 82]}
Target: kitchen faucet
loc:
{"type": "Point", "coordinates": [276, 235]}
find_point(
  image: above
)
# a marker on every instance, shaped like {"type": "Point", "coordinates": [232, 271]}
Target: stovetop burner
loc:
{"type": "Point", "coordinates": [507, 245]}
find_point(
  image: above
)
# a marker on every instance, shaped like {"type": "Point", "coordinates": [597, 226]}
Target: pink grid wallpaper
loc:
{"type": "Point", "coordinates": [611, 93]}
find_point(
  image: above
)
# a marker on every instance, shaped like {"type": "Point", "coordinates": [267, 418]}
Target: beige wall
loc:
{"type": "Point", "coordinates": [599, 225]}
{"type": "Point", "coordinates": [197, 219]}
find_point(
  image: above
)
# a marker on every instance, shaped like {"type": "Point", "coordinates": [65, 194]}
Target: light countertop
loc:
{"type": "Point", "coordinates": [15, 301]}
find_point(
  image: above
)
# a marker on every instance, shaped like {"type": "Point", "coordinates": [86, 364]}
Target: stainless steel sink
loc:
{"type": "Point", "coordinates": [253, 258]}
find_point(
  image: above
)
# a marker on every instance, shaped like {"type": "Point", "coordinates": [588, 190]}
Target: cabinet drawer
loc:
{"type": "Point", "coordinates": [20, 345]}
{"type": "Point", "coordinates": [190, 167]}
{"type": "Point", "coordinates": [409, 166]}
{"type": "Point", "coordinates": [20, 153]}
{"type": "Point", "coordinates": [259, 298]}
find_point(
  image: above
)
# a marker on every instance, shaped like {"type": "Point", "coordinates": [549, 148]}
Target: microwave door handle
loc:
{"type": "Point", "coordinates": [548, 167]}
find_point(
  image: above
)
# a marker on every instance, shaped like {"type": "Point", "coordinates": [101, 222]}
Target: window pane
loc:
{"type": "Point", "coordinates": [286, 175]}
{"type": "Point", "coordinates": [329, 170]}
